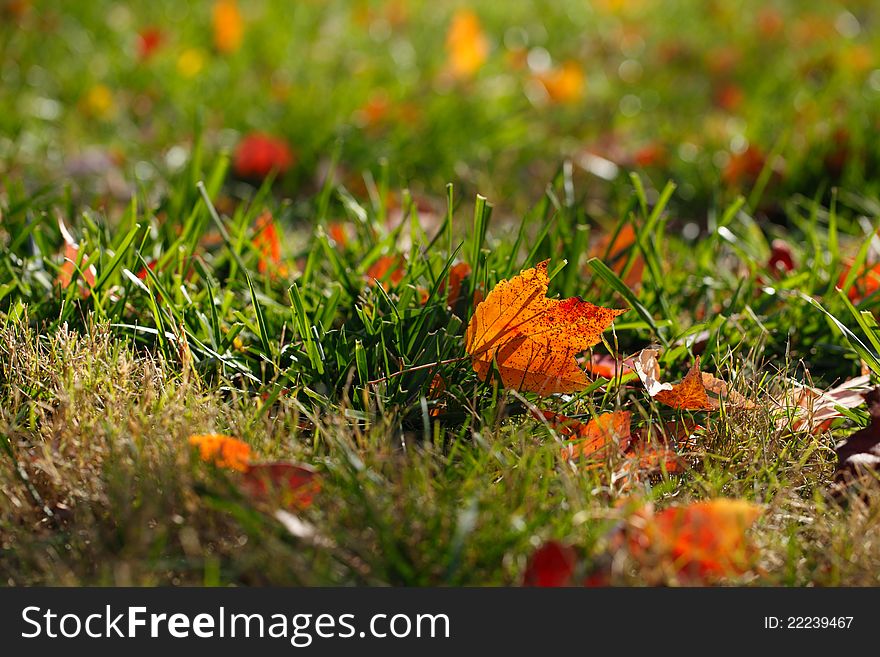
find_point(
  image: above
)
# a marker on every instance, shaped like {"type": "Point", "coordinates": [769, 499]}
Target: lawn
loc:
{"type": "Point", "coordinates": [313, 293]}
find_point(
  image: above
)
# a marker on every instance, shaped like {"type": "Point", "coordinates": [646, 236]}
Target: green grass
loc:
{"type": "Point", "coordinates": [310, 360]}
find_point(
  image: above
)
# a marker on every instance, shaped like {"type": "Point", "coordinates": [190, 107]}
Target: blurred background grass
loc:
{"type": "Point", "coordinates": [489, 95]}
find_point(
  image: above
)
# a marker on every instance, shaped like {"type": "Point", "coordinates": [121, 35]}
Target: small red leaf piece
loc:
{"type": "Point", "coordinates": [781, 258]}
{"type": "Point", "coordinates": [552, 564]}
{"type": "Point", "coordinates": [259, 154]}
{"type": "Point", "coordinates": [148, 42]}
{"type": "Point", "coordinates": [266, 241]}
{"type": "Point", "coordinates": [292, 485]}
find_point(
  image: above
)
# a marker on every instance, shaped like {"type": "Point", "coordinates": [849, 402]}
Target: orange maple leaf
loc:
{"type": "Point", "coordinates": [594, 439]}
{"type": "Point", "coordinates": [690, 394]}
{"type": "Point", "coordinates": [533, 339]}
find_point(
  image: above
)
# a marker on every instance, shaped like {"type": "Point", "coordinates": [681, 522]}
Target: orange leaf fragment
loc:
{"type": "Point", "coordinates": [291, 484]}
{"type": "Point", "coordinates": [466, 44]}
{"type": "Point", "coordinates": [564, 84]}
{"type": "Point", "coordinates": [71, 258]}
{"type": "Point", "coordinates": [533, 339]}
{"type": "Point", "coordinates": [266, 241]}
{"type": "Point", "coordinates": [338, 232]}
{"type": "Point", "coordinates": [387, 269]}
{"type": "Point", "coordinates": [690, 394]}
{"type": "Point", "coordinates": [866, 282]}
{"type": "Point", "coordinates": [647, 454]}
{"type": "Point", "coordinates": [222, 451]}
{"type": "Point", "coordinates": [608, 366]}
{"type": "Point", "coordinates": [594, 439]}
{"type": "Point", "coordinates": [452, 285]}
{"type": "Point", "coordinates": [616, 253]}
{"type": "Point", "coordinates": [701, 540]}
{"type": "Point", "coordinates": [228, 26]}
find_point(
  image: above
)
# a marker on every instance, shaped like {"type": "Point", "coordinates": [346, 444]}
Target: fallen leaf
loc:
{"type": "Point", "coordinates": [699, 541]}
{"type": "Point", "coordinates": [813, 410]}
{"type": "Point", "coordinates": [148, 41]}
{"type": "Point", "coordinates": [691, 392]}
{"type": "Point", "coordinates": [648, 369]}
{"type": "Point", "coordinates": [435, 393]}
{"type": "Point", "coordinates": [452, 285]}
{"type": "Point", "coordinates": [859, 455]}
{"type": "Point", "coordinates": [466, 44]}
{"type": "Point", "coordinates": [533, 339]}
{"type": "Point", "coordinates": [781, 258]}
{"type": "Point", "coordinates": [552, 564]}
{"type": "Point", "coordinates": [387, 269]}
{"type": "Point", "coordinates": [597, 439]}
{"type": "Point", "coordinates": [266, 241]}
{"type": "Point", "coordinates": [564, 84]}
{"type": "Point", "coordinates": [338, 232]}
{"type": "Point", "coordinates": [866, 282]}
{"type": "Point", "coordinates": [71, 258]}
{"type": "Point", "coordinates": [658, 448]}
{"type": "Point", "coordinates": [258, 155]}
{"type": "Point", "coordinates": [292, 485]}
{"type": "Point", "coordinates": [228, 26]}
{"type": "Point", "coordinates": [223, 451]}
{"type": "Point", "coordinates": [614, 250]}
{"type": "Point", "coordinates": [608, 366]}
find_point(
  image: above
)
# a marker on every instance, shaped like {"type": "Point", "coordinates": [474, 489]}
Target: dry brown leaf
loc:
{"type": "Point", "coordinates": [813, 410]}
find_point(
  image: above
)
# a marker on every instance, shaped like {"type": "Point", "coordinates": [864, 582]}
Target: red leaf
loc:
{"type": "Point", "coordinates": [293, 485]}
{"type": "Point", "coordinates": [552, 564]}
{"type": "Point", "coordinates": [259, 154]}
{"type": "Point", "coordinates": [267, 243]}
{"type": "Point", "coordinates": [149, 40]}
